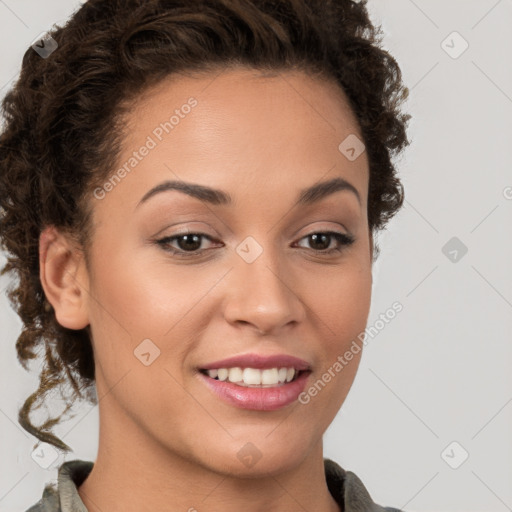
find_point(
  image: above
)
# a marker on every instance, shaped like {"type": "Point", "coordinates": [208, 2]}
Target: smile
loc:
{"type": "Point", "coordinates": [254, 377]}
{"type": "Point", "coordinates": [270, 394]}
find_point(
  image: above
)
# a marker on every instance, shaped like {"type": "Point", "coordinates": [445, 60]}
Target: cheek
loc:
{"type": "Point", "coordinates": [341, 306]}
{"type": "Point", "coordinates": [143, 296]}
{"type": "Point", "coordinates": [342, 301]}
{"type": "Point", "coordinates": [137, 309]}
{"type": "Point", "coordinates": [140, 298]}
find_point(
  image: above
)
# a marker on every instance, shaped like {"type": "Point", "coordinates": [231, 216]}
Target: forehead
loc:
{"type": "Point", "coordinates": [242, 130]}
{"type": "Point", "coordinates": [259, 96]}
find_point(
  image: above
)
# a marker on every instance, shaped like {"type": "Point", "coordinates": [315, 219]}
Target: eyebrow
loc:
{"type": "Point", "coordinates": [217, 197]}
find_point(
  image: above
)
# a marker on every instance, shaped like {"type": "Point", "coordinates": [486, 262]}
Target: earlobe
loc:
{"type": "Point", "coordinates": [64, 278]}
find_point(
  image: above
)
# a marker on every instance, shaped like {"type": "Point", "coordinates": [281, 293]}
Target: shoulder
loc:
{"type": "Point", "coordinates": [348, 490]}
{"type": "Point", "coordinates": [64, 497]}
{"type": "Point", "coordinates": [49, 502]}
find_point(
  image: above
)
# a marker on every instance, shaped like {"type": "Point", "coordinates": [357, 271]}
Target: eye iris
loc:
{"type": "Point", "coordinates": [189, 239]}
{"type": "Point", "coordinates": [314, 238]}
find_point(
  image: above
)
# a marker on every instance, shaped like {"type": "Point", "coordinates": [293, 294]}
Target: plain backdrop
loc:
{"type": "Point", "coordinates": [427, 424]}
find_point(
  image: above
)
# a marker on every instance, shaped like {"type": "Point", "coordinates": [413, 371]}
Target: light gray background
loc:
{"type": "Point", "coordinates": [440, 371]}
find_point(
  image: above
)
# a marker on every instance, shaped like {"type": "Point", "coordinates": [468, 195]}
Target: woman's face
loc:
{"type": "Point", "coordinates": [254, 282]}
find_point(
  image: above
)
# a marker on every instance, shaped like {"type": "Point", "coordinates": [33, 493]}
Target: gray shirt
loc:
{"type": "Point", "coordinates": [345, 487]}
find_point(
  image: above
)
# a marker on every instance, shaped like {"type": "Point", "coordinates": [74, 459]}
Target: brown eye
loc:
{"type": "Point", "coordinates": [188, 244]}
{"type": "Point", "coordinates": [321, 241]}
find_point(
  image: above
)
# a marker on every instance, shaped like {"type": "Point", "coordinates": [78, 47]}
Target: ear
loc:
{"type": "Point", "coordinates": [64, 278]}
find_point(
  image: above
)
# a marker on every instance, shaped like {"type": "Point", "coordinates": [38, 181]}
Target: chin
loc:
{"type": "Point", "coordinates": [255, 457]}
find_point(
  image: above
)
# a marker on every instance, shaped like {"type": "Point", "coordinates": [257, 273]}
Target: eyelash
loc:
{"type": "Point", "coordinates": [343, 239]}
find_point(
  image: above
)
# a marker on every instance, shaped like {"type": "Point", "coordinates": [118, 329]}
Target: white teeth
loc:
{"type": "Point", "coordinates": [222, 373]}
{"type": "Point", "coordinates": [270, 376]}
{"type": "Point", "coordinates": [253, 376]}
{"type": "Point", "coordinates": [235, 374]}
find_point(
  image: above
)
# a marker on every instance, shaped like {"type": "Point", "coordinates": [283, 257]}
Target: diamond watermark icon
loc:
{"type": "Point", "coordinates": [249, 250]}
{"type": "Point", "coordinates": [352, 147]}
{"type": "Point", "coordinates": [454, 45]}
{"type": "Point", "coordinates": [454, 249]}
{"type": "Point", "coordinates": [45, 455]}
{"type": "Point", "coordinates": [454, 455]}
{"type": "Point", "coordinates": [44, 45]}
{"type": "Point", "coordinates": [146, 352]}
{"type": "Point", "coordinates": [249, 455]}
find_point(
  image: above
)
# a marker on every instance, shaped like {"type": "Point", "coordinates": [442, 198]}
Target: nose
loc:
{"type": "Point", "coordinates": [263, 294]}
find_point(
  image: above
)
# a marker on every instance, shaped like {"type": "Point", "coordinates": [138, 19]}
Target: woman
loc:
{"type": "Point", "coordinates": [190, 194]}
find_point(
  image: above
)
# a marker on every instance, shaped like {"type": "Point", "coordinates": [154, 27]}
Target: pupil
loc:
{"type": "Point", "coordinates": [324, 237]}
{"type": "Point", "coordinates": [184, 239]}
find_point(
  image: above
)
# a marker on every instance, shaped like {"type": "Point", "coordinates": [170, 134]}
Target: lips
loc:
{"type": "Point", "coordinates": [262, 397]}
{"type": "Point", "coordinates": [257, 398]}
{"type": "Point", "coordinates": [259, 361]}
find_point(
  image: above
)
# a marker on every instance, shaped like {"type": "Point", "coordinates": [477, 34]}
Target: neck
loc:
{"type": "Point", "coordinates": [148, 477]}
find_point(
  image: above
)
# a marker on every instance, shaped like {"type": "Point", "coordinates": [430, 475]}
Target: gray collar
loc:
{"type": "Point", "coordinates": [345, 487]}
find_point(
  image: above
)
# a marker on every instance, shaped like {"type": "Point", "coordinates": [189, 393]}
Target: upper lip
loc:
{"type": "Point", "coordinates": [259, 361]}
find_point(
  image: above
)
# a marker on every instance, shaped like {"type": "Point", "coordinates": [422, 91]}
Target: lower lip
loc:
{"type": "Point", "coordinates": [258, 399]}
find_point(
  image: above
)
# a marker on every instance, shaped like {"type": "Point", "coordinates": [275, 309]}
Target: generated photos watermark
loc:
{"type": "Point", "coordinates": [343, 360]}
{"type": "Point", "coordinates": [152, 141]}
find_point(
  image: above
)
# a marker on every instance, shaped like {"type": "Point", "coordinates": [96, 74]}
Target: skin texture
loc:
{"type": "Point", "coordinates": [166, 441]}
